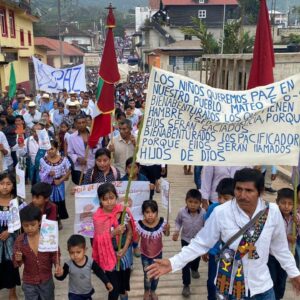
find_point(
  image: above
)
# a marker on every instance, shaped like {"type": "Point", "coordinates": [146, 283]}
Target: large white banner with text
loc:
{"type": "Point", "coordinates": [53, 80]}
{"type": "Point", "coordinates": [189, 123]}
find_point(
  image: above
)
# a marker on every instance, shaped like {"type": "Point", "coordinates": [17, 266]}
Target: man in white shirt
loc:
{"type": "Point", "coordinates": [33, 115]}
{"type": "Point", "coordinates": [6, 162]}
{"type": "Point", "coordinates": [225, 221]}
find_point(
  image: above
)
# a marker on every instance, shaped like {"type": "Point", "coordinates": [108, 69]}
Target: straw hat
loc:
{"type": "Point", "coordinates": [74, 103]}
{"type": "Point", "coordinates": [45, 95]}
{"type": "Point", "coordinates": [31, 104]}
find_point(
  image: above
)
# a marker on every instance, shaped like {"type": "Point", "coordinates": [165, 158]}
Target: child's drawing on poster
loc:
{"type": "Point", "coordinates": [14, 222]}
{"type": "Point", "coordinates": [48, 236]}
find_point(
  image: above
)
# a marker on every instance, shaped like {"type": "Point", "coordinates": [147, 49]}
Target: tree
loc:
{"type": "Point", "coordinates": [294, 38]}
{"type": "Point", "coordinates": [199, 30]}
{"type": "Point", "coordinates": [236, 40]}
{"type": "Point", "coordinates": [249, 11]}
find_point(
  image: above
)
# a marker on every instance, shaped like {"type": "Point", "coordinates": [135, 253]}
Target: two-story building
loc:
{"type": "Point", "coordinates": [16, 41]}
{"type": "Point", "coordinates": [169, 16]}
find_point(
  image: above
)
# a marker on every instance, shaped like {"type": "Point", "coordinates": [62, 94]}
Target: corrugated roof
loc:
{"type": "Point", "coordinates": [193, 2]}
{"type": "Point", "coordinates": [68, 49]}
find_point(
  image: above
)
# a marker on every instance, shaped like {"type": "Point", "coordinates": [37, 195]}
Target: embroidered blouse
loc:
{"type": "Point", "coordinates": [60, 168]}
{"type": "Point", "coordinates": [90, 177]}
{"type": "Point", "coordinates": [151, 238]}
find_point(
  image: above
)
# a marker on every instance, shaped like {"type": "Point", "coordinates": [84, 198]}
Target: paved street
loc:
{"type": "Point", "coordinates": [170, 286]}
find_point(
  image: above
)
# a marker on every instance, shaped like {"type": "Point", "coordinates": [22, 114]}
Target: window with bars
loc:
{"type": "Point", "coordinates": [22, 42]}
{"type": "Point", "coordinates": [3, 23]}
{"type": "Point", "coordinates": [12, 25]}
{"type": "Point", "coordinates": [29, 38]}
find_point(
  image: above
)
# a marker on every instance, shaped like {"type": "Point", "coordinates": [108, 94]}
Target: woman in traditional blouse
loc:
{"type": "Point", "coordinates": [103, 171]}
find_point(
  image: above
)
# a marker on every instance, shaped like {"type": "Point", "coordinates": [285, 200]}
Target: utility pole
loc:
{"type": "Point", "coordinates": [61, 52]}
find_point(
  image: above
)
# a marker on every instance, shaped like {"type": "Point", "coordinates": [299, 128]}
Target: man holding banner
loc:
{"type": "Point", "coordinates": [250, 228]}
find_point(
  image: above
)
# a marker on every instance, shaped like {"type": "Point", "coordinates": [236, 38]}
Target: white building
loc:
{"type": "Point", "coordinates": [280, 18]}
{"type": "Point", "coordinates": [141, 14]}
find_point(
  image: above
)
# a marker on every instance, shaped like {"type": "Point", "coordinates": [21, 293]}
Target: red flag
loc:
{"type": "Point", "coordinates": [108, 76]}
{"type": "Point", "coordinates": [263, 54]}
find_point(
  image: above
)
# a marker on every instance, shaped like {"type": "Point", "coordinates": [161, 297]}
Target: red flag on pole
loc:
{"type": "Point", "coordinates": [263, 54]}
{"type": "Point", "coordinates": [108, 76]}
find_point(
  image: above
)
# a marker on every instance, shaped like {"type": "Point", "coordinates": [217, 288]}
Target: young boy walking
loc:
{"type": "Point", "coordinates": [189, 221]}
{"type": "Point", "coordinates": [285, 201]}
{"type": "Point", "coordinates": [37, 273]}
{"type": "Point", "coordinates": [79, 268]}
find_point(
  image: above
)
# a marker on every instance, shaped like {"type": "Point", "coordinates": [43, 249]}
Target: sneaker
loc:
{"type": "Point", "coordinates": [186, 292]}
{"type": "Point", "coordinates": [270, 190]}
{"type": "Point", "coordinates": [195, 274]}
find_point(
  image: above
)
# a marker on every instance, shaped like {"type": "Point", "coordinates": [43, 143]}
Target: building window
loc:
{"type": "Point", "coordinates": [172, 60]}
{"type": "Point", "coordinates": [202, 14]}
{"type": "Point", "coordinates": [3, 23]}
{"type": "Point", "coordinates": [12, 26]}
{"type": "Point", "coordinates": [22, 37]}
{"type": "Point", "coordinates": [29, 38]}
{"type": "Point", "coordinates": [187, 37]}
{"type": "Point", "coordinates": [201, 1]}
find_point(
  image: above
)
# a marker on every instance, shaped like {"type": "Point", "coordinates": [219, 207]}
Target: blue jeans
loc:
{"type": "Point", "coordinates": [212, 272]}
{"type": "Point", "coordinates": [197, 176]}
{"type": "Point", "coordinates": [268, 295]}
{"type": "Point", "coordinates": [149, 284]}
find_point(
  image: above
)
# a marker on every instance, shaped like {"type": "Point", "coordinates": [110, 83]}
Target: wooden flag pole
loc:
{"type": "Point", "coordinates": [86, 154]}
{"type": "Point", "coordinates": [129, 184]}
{"type": "Point", "coordinates": [168, 211]}
{"type": "Point", "coordinates": [112, 134]}
{"type": "Point", "coordinates": [296, 179]}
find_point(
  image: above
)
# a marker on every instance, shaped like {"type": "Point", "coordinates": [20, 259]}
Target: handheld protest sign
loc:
{"type": "Point", "coordinates": [165, 196]}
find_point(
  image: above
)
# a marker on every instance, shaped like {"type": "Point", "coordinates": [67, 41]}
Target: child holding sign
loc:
{"type": "Point", "coordinates": [37, 273]}
{"type": "Point", "coordinates": [108, 228]}
{"type": "Point", "coordinates": [79, 268]}
{"type": "Point", "coordinates": [9, 275]}
{"type": "Point", "coordinates": [151, 229]}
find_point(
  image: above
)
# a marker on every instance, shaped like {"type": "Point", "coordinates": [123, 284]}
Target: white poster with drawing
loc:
{"type": "Point", "coordinates": [20, 178]}
{"type": "Point", "coordinates": [165, 194]}
{"type": "Point", "coordinates": [44, 141]}
{"type": "Point", "coordinates": [87, 202]}
{"type": "Point", "coordinates": [48, 236]}
{"type": "Point", "coordinates": [14, 222]}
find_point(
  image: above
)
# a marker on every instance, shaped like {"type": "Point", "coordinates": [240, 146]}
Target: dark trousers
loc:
{"type": "Point", "coordinates": [82, 296]}
{"type": "Point", "coordinates": [278, 276]}
{"type": "Point", "coordinates": [186, 271]}
{"type": "Point", "coordinates": [42, 291]}
{"type": "Point", "coordinates": [212, 272]}
{"type": "Point", "coordinates": [114, 280]}
{"type": "Point", "coordinates": [75, 176]}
